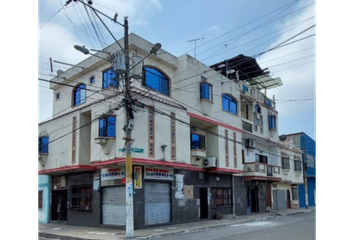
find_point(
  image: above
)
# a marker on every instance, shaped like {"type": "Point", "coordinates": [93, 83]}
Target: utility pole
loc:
{"type": "Point", "coordinates": [305, 173]}
{"type": "Point", "coordinates": [195, 45]}
{"type": "Point", "coordinates": [129, 218]}
{"type": "Point", "coordinates": [129, 125]}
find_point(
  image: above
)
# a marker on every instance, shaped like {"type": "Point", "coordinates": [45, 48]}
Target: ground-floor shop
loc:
{"type": "Point", "coordinates": [311, 192]}
{"type": "Point", "coordinates": [162, 196]}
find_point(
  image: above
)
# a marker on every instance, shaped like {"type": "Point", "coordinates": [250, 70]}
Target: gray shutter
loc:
{"type": "Point", "coordinates": [157, 203]}
{"type": "Point", "coordinates": [281, 199]}
{"type": "Point", "coordinates": [113, 206]}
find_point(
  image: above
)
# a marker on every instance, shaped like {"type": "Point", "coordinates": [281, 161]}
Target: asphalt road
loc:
{"type": "Point", "coordinates": [294, 227]}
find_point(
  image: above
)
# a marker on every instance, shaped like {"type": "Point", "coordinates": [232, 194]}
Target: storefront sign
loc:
{"type": "Point", "coordinates": [158, 173]}
{"type": "Point", "coordinates": [137, 179]}
{"type": "Point", "coordinates": [112, 173]}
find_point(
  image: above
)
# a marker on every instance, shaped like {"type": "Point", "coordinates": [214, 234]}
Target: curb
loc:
{"type": "Point", "coordinates": [190, 231]}
{"type": "Point", "coordinates": [57, 236]}
{"type": "Point", "coordinates": [157, 235]}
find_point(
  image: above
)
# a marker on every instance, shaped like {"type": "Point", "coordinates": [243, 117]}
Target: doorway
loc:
{"type": "Point", "coordinates": [269, 195]}
{"type": "Point", "coordinates": [288, 198]}
{"type": "Point", "coordinates": [203, 203]}
{"type": "Point", "coordinates": [252, 199]}
{"type": "Point", "coordinates": [59, 205]}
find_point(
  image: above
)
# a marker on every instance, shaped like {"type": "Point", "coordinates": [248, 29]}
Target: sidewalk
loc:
{"type": "Point", "coordinates": [69, 232]}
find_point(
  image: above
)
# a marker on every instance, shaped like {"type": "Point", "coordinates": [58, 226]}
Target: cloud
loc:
{"type": "Point", "coordinates": [295, 65]}
{"type": "Point", "coordinates": [58, 42]}
{"type": "Point", "coordinates": [141, 22]}
{"type": "Point", "coordinates": [214, 29]}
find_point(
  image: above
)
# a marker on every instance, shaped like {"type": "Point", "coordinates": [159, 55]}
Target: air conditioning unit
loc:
{"type": "Point", "coordinates": [210, 162]}
{"type": "Point", "coordinates": [250, 143]}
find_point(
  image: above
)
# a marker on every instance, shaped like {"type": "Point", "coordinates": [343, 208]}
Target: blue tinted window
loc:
{"type": "Point", "coordinates": [110, 79]}
{"type": "Point", "coordinates": [229, 104]}
{"type": "Point", "coordinates": [197, 141]}
{"type": "Point", "coordinates": [268, 102]}
{"type": "Point", "coordinates": [206, 91]}
{"type": "Point", "coordinates": [156, 80]}
{"type": "Point", "coordinates": [244, 88]}
{"type": "Point", "coordinates": [257, 109]}
{"type": "Point", "coordinates": [272, 123]}
{"type": "Point", "coordinates": [80, 94]}
{"type": "Point", "coordinates": [92, 80]}
{"type": "Point", "coordinates": [107, 127]}
{"type": "Point", "coordinates": [43, 143]}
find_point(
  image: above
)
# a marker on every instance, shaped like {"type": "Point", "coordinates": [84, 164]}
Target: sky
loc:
{"type": "Point", "coordinates": [209, 30]}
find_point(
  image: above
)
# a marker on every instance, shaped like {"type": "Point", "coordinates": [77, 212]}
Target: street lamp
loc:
{"type": "Point", "coordinates": [86, 51]}
{"type": "Point", "coordinates": [136, 69]}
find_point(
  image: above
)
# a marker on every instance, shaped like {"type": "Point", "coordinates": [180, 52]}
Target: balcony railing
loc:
{"type": "Point", "coordinates": [247, 126]}
{"type": "Point", "coordinates": [261, 170]}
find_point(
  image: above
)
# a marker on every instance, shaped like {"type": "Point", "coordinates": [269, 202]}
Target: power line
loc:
{"type": "Point", "coordinates": [50, 18]}
{"type": "Point", "coordinates": [211, 132]}
{"type": "Point", "coordinates": [84, 125]}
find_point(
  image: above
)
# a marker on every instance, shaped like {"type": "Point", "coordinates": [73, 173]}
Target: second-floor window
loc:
{"type": "Point", "coordinates": [261, 158]}
{"type": "Point", "coordinates": [197, 141]}
{"type": "Point", "coordinates": [156, 80]}
{"type": "Point", "coordinates": [206, 90]}
{"type": "Point", "coordinates": [79, 94]}
{"type": "Point", "coordinates": [110, 79]}
{"type": "Point", "coordinates": [107, 126]}
{"type": "Point", "coordinates": [272, 122]}
{"type": "Point", "coordinates": [43, 143]}
{"type": "Point", "coordinates": [285, 163]}
{"type": "Point", "coordinates": [229, 104]}
{"type": "Point", "coordinates": [297, 165]}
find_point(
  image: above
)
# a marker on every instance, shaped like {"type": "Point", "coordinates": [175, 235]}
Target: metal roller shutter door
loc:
{"type": "Point", "coordinates": [113, 206]}
{"type": "Point", "coordinates": [281, 199]}
{"type": "Point", "coordinates": [157, 203]}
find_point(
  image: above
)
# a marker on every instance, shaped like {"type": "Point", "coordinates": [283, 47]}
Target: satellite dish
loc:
{"type": "Point", "coordinates": [59, 72]}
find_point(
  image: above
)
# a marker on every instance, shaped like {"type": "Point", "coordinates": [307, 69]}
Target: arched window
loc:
{"type": "Point", "coordinates": [156, 80]}
{"type": "Point", "coordinates": [79, 94]}
{"type": "Point", "coordinates": [229, 104]}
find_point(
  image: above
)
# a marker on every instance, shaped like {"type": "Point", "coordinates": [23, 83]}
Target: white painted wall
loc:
{"type": "Point", "coordinates": [184, 73]}
{"type": "Point", "coordinates": [291, 175]}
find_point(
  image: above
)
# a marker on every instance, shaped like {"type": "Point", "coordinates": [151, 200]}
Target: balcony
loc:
{"type": "Point", "coordinates": [261, 171]}
{"type": "Point", "coordinates": [198, 153]}
{"type": "Point", "coordinates": [247, 126]}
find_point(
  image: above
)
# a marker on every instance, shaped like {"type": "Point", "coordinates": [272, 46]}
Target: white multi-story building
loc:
{"type": "Point", "coordinates": [205, 140]}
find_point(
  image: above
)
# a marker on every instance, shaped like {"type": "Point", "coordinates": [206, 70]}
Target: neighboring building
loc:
{"type": "Point", "coordinates": [43, 198]}
{"type": "Point", "coordinates": [199, 132]}
{"type": "Point", "coordinates": [286, 192]}
{"type": "Point", "coordinates": [308, 146]}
